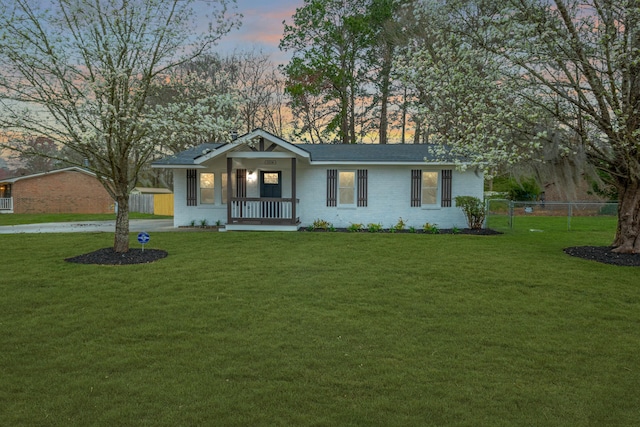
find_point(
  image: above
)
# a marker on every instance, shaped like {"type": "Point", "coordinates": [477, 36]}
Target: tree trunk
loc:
{"type": "Point", "coordinates": [121, 240]}
{"type": "Point", "coordinates": [627, 238]}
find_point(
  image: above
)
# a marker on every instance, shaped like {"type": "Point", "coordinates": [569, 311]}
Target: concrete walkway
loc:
{"type": "Point", "coordinates": [135, 226]}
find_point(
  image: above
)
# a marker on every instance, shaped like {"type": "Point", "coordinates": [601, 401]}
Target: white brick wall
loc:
{"type": "Point", "coordinates": [389, 190]}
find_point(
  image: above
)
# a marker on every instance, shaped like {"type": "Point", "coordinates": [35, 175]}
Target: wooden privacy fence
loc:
{"type": "Point", "coordinates": [156, 204]}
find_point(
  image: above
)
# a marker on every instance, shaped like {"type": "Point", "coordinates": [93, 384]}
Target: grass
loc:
{"type": "Point", "coordinates": [349, 329]}
{"type": "Point", "coordinates": [15, 219]}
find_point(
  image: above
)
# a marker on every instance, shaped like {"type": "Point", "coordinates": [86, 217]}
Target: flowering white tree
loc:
{"type": "Point", "coordinates": [80, 72]}
{"type": "Point", "coordinates": [551, 82]}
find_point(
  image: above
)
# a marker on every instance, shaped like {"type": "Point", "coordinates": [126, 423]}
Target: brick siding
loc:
{"type": "Point", "coordinates": [61, 192]}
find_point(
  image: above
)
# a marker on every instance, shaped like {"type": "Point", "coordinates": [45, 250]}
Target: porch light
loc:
{"type": "Point", "coordinates": [251, 177]}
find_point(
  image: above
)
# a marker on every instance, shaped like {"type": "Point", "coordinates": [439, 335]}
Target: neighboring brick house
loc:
{"type": "Point", "coordinates": [68, 190]}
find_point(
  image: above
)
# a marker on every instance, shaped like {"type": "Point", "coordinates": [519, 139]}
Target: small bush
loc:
{"type": "Point", "coordinates": [473, 209]}
{"type": "Point", "coordinates": [321, 224]}
{"type": "Point", "coordinates": [354, 227]}
{"type": "Point", "coordinates": [430, 228]}
{"type": "Point", "coordinates": [523, 191]}
{"type": "Point", "coordinates": [203, 223]}
{"type": "Point", "coordinates": [400, 225]}
{"type": "Point", "coordinates": [412, 229]}
{"type": "Point", "coordinates": [374, 228]}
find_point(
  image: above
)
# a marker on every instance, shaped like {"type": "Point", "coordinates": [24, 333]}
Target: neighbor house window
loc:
{"type": "Point", "coordinates": [206, 188]}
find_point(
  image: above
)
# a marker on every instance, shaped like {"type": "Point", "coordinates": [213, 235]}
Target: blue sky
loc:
{"type": "Point", "coordinates": [261, 26]}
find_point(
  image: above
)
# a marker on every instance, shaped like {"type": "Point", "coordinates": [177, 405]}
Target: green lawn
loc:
{"type": "Point", "coordinates": [323, 329]}
{"type": "Point", "coordinates": [15, 219]}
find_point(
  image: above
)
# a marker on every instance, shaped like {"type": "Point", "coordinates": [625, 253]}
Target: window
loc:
{"type": "Point", "coordinates": [424, 187]}
{"type": "Point", "coordinates": [223, 193]}
{"type": "Point", "coordinates": [429, 188]}
{"type": "Point", "coordinates": [343, 186]}
{"type": "Point", "coordinates": [206, 188]}
{"type": "Point", "coordinates": [346, 188]}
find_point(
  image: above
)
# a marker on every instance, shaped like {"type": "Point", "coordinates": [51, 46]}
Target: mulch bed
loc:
{"type": "Point", "coordinates": [108, 256]}
{"type": "Point", "coordinates": [478, 232]}
{"type": "Point", "coordinates": [603, 254]}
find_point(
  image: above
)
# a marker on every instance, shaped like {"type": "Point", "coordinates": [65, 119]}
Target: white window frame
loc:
{"type": "Point", "coordinates": [354, 188]}
{"type": "Point", "coordinates": [212, 188]}
{"type": "Point", "coordinates": [435, 203]}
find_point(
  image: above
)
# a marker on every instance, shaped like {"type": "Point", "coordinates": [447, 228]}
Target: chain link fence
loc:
{"type": "Point", "coordinates": [503, 214]}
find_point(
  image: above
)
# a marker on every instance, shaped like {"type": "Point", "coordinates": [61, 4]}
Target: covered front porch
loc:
{"type": "Point", "coordinates": [270, 211]}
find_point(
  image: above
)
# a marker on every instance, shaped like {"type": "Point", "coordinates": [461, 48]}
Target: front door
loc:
{"type": "Point", "coordinates": [271, 188]}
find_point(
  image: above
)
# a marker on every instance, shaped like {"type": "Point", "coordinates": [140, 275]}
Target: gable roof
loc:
{"type": "Point", "coordinates": [317, 153]}
{"type": "Point", "coordinates": [35, 175]}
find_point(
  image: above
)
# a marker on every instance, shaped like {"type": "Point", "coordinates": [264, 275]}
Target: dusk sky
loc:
{"type": "Point", "coordinates": [261, 26]}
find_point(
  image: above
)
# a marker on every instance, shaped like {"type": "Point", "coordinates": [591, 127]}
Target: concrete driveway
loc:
{"type": "Point", "coordinates": [135, 226]}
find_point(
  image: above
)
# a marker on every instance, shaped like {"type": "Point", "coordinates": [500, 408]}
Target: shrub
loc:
{"type": "Point", "coordinates": [374, 228]}
{"type": "Point", "coordinates": [321, 224]}
{"type": "Point", "coordinates": [430, 228]}
{"type": "Point", "coordinates": [354, 227]}
{"type": "Point", "coordinates": [473, 209]}
{"type": "Point", "coordinates": [412, 229]}
{"type": "Point", "coordinates": [203, 223]}
{"type": "Point", "coordinates": [400, 225]}
{"type": "Point", "coordinates": [523, 191]}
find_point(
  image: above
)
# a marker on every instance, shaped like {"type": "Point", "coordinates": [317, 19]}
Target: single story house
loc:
{"type": "Point", "coordinates": [68, 190]}
{"type": "Point", "coordinates": [262, 182]}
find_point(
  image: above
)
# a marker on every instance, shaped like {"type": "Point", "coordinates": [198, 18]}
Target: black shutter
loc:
{"type": "Point", "coordinates": [362, 187]}
{"type": "Point", "coordinates": [332, 187]}
{"type": "Point", "coordinates": [447, 176]}
{"type": "Point", "coordinates": [416, 188]}
{"type": "Point", "coordinates": [192, 187]}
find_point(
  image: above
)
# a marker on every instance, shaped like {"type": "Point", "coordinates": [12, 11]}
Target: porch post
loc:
{"type": "Point", "coordinates": [229, 188]}
{"type": "Point", "coordinates": [293, 190]}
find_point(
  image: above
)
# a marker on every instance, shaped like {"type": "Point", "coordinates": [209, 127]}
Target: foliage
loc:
{"type": "Point", "coordinates": [374, 227]}
{"type": "Point", "coordinates": [523, 190]}
{"type": "Point", "coordinates": [474, 210]}
{"type": "Point", "coordinates": [430, 228]}
{"type": "Point", "coordinates": [85, 71]}
{"type": "Point", "coordinates": [321, 224]}
{"type": "Point", "coordinates": [340, 51]}
{"type": "Point", "coordinates": [548, 87]}
{"type": "Point", "coordinates": [400, 225]}
{"type": "Point", "coordinates": [354, 227]}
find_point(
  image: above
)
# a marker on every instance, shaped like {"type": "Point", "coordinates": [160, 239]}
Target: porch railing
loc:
{"type": "Point", "coordinates": [6, 203]}
{"type": "Point", "coordinates": [262, 211]}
